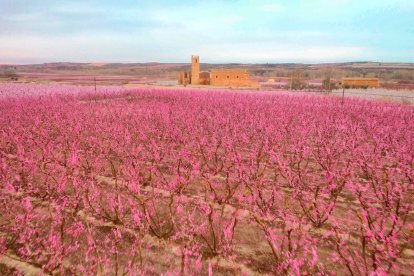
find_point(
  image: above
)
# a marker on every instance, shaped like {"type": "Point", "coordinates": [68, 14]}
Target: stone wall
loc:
{"type": "Point", "coordinates": [204, 78]}
{"type": "Point", "coordinates": [184, 78]}
{"type": "Point", "coordinates": [361, 82]}
{"type": "Point", "coordinates": [230, 77]}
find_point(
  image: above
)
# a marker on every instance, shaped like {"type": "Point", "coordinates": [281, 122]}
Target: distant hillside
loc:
{"type": "Point", "coordinates": [397, 72]}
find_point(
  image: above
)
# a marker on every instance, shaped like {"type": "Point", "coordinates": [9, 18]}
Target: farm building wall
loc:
{"type": "Point", "coordinates": [361, 82]}
{"type": "Point", "coordinates": [204, 78]}
{"type": "Point", "coordinates": [184, 78]}
{"type": "Point", "coordinates": [230, 77]}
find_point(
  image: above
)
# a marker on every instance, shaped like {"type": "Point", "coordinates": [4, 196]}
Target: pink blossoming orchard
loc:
{"type": "Point", "coordinates": [188, 182]}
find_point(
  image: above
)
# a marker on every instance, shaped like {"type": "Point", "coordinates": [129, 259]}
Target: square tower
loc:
{"type": "Point", "coordinates": [195, 69]}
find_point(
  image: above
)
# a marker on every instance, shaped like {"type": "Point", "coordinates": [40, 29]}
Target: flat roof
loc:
{"type": "Point", "coordinates": [228, 71]}
{"type": "Point", "coordinates": [360, 79]}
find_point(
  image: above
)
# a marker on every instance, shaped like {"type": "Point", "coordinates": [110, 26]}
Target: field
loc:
{"type": "Point", "coordinates": [388, 95]}
{"type": "Point", "coordinates": [393, 76]}
{"type": "Point", "coordinates": [200, 182]}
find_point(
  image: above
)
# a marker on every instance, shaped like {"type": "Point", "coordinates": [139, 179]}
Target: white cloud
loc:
{"type": "Point", "coordinates": [256, 52]}
{"type": "Point", "coordinates": [124, 48]}
{"type": "Point", "coordinates": [222, 31]}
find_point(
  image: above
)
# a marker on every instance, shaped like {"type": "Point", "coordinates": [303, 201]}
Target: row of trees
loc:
{"type": "Point", "coordinates": [203, 182]}
{"type": "Point", "coordinates": [382, 71]}
{"type": "Point", "coordinates": [9, 74]}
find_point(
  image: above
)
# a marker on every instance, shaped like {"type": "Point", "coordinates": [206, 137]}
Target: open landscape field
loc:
{"type": "Point", "coordinates": [386, 95]}
{"type": "Point", "coordinates": [393, 76]}
{"type": "Point", "coordinates": [203, 182]}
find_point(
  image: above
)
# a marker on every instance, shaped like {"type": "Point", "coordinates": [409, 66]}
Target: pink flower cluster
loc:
{"type": "Point", "coordinates": [194, 182]}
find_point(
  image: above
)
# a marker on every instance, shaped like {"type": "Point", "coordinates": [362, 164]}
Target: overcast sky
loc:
{"type": "Point", "coordinates": [312, 31]}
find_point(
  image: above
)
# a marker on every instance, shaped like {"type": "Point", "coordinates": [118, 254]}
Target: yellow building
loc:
{"type": "Point", "coordinates": [230, 77]}
{"type": "Point", "coordinates": [217, 77]}
{"type": "Point", "coordinates": [360, 82]}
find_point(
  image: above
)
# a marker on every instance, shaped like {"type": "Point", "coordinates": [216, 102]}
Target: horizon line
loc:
{"type": "Point", "coordinates": [212, 63]}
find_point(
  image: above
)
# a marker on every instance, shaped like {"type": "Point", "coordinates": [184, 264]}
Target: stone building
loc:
{"type": "Point", "coordinates": [230, 77]}
{"type": "Point", "coordinates": [192, 77]}
{"type": "Point", "coordinates": [217, 77]}
{"type": "Point", "coordinates": [360, 82]}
